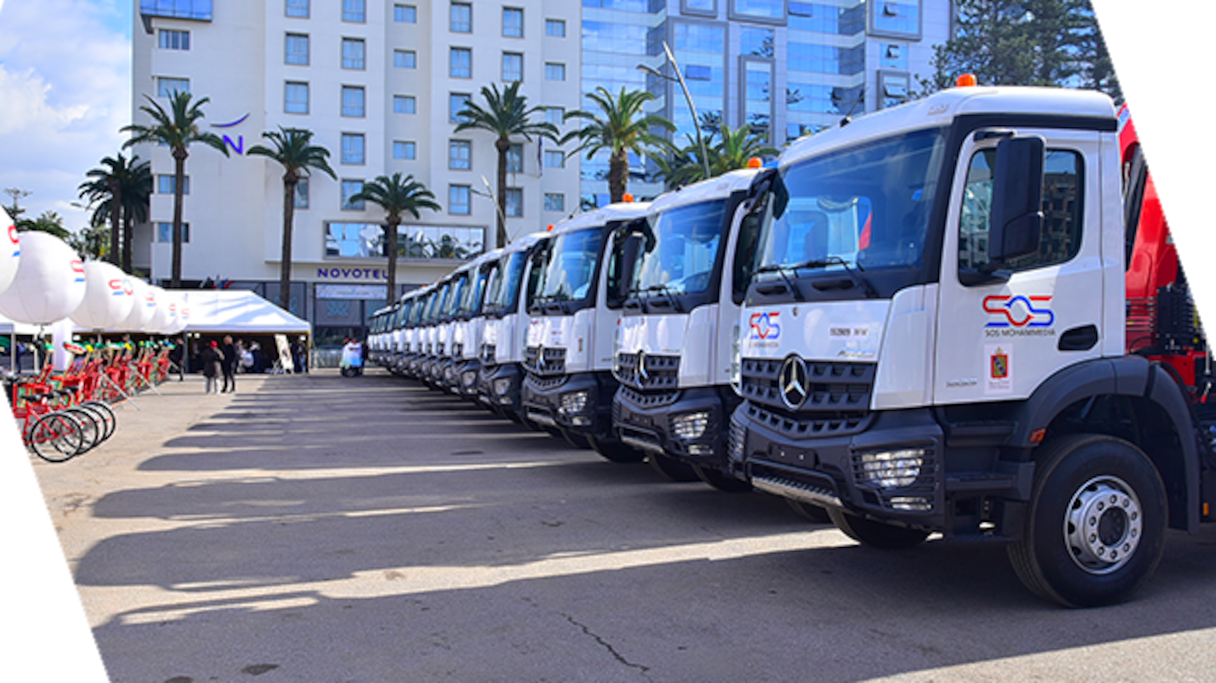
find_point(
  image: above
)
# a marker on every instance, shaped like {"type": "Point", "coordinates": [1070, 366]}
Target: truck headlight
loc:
{"type": "Point", "coordinates": [574, 402]}
{"type": "Point", "coordinates": [502, 386]}
{"type": "Point", "coordinates": [891, 469]}
{"type": "Point", "coordinates": [690, 425]}
{"type": "Point", "coordinates": [468, 378]}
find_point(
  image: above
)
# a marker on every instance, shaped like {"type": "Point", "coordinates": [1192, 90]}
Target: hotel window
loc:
{"type": "Point", "coordinates": [555, 28]}
{"type": "Point", "coordinates": [515, 158]}
{"type": "Point", "coordinates": [295, 98]}
{"type": "Point", "coordinates": [174, 40]}
{"type": "Point", "coordinates": [350, 188]}
{"type": "Point", "coordinates": [555, 201]}
{"type": "Point", "coordinates": [460, 155]}
{"type": "Point", "coordinates": [404, 149]}
{"type": "Point", "coordinates": [555, 71]}
{"type": "Point", "coordinates": [405, 59]}
{"type": "Point", "coordinates": [302, 193]}
{"type": "Point", "coordinates": [555, 115]}
{"type": "Point", "coordinates": [896, 18]}
{"type": "Point", "coordinates": [512, 67]}
{"type": "Point", "coordinates": [555, 159]}
{"type": "Point", "coordinates": [354, 10]}
{"type": "Point", "coordinates": [762, 10]}
{"type": "Point", "coordinates": [353, 100]}
{"type": "Point", "coordinates": [164, 232]}
{"type": "Point", "coordinates": [461, 18]}
{"type": "Point", "coordinates": [515, 202]}
{"type": "Point", "coordinates": [165, 184]}
{"type": "Point", "coordinates": [460, 62]}
{"type": "Point", "coordinates": [458, 199]}
{"type": "Point", "coordinates": [512, 22]}
{"type": "Point", "coordinates": [405, 14]}
{"type": "Point", "coordinates": [352, 148]}
{"type": "Point", "coordinates": [297, 8]}
{"type": "Point", "coordinates": [167, 86]}
{"type": "Point", "coordinates": [404, 104]}
{"type": "Point", "coordinates": [353, 53]}
{"type": "Point", "coordinates": [457, 102]}
{"type": "Point", "coordinates": [296, 49]}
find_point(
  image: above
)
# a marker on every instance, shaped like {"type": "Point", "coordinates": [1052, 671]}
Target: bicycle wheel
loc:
{"type": "Point", "coordinates": [54, 437]}
{"type": "Point", "coordinates": [90, 428]}
{"type": "Point", "coordinates": [106, 414]}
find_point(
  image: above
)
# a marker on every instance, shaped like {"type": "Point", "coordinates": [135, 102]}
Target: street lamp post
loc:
{"type": "Point", "coordinates": [696, 123]}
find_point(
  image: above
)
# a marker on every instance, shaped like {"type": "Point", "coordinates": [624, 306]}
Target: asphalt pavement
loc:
{"type": "Point", "coordinates": [316, 528]}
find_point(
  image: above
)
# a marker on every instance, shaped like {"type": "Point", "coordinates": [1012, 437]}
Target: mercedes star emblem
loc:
{"type": "Point", "coordinates": [792, 382]}
{"type": "Point", "coordinates": [540, 358]}
{"type": "Point", "coordinates": [642, 374]}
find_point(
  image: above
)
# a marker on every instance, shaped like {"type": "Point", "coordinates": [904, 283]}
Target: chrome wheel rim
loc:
{"type": "Point", "coordinates": [1103, 525]}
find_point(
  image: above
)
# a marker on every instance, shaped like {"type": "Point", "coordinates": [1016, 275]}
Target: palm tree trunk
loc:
{"type": "Point", "coordinates": [503, 145]}
{"type": "Point", "coordinates": [289, 212]}
{"type": "Point", "coordinates": [394, 220]}
{"type": "Point", "coordinates": [618, 174]}
{"type": "Point", "coordinates": [115, 219]}
{"type": "Point", "coordinates": [128, 239]}
{"type": "Point", "coordinates": [179, 181]}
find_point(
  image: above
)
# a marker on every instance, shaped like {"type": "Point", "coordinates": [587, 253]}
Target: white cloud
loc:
{"type": "Point", "coordinates": [65, 84]}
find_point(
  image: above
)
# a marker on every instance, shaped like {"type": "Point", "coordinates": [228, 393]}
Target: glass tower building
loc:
{"type": "Point", "coordinates": [784, 68]}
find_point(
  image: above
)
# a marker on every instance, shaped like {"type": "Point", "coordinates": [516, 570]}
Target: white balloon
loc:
{"type": "Point", "coordinates": [160, 315]}
{"type": "Point", "coordinates": [177, 315]}
{"type": "Point", "coordinates": [141, 309]}
{"type": "Point", "coordinates": [10, 250]}
{"type": "Point", "coordinates": [50, 281]}
{"type": "Point", "coordinates": [108, 297]}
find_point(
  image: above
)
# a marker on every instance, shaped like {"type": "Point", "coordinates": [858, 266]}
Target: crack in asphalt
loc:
{"type": "Point", "coordinates": [607, 646]}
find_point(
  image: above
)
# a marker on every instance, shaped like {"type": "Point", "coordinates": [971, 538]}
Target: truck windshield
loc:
{"type": "Point", "coordinates": [470, 298]}
{"type": "Point", "coordinates": [454, 294]}
{"type": "Point", "coordinates": [504, 285]}
{"type": "Point", "coordinates": [866, 206]}
{"type": "Point", "coordinates": [680, 249]}
{"type": "Point", "coordinates": [570, 270]}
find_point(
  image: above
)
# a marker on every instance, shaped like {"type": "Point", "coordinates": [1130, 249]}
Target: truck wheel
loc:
{"type": "Point", "coordinates": [1095, 530]}
{"type": "Point", "coordinates": [809, 511]}
{"type": "Point", "coordinates": [616, 451]}
{"type": "Point", "coordinates": [876, 534]}
{"type": "Point", "coordinates": [671, 468]}
{"type": "Point", "coordinates": [575, 439]}
{"type": "Point", "coordinates": [721, 480]}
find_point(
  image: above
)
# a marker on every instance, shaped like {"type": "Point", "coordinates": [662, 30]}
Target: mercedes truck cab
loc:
{"type": "Point", "coordinates": [510, 291]}
{"type": "Point", "coordinates": [413, 331]}
{"type": "Point", "coordinates": [379, 332]}
{"type": "Point", "coordinates": [398, 349]}
{"type": "Point", "coordinates": [569, 385]}
{"type": "Point", "coordinates": [467, 330]}
{"type": "Point", "coordinates": [674, 345]}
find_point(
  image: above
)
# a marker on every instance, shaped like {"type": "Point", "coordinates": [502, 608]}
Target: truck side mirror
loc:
{"type": "Point", "coordinates": [1017, 199]}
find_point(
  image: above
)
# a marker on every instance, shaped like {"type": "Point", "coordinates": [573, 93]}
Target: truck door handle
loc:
{"type": "Point", "coordinates": [776, 288]}
{"type": "Point", "coordinates": [839, 283]}
{"type": "Point", "coordinates": [1078, 339]}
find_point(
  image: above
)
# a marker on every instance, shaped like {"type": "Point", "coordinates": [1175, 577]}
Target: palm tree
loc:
{"type": "Point", "coordinates": [730, 152]}
{"type": "Point", "coordinates": [623, 128]}
{"type": "Point", "coordinates": [506, 115]}
{"type": "Point", "coordinates": [120, 189]}
{"type": "Point", "coordinates": [178, 129]}
{"type": "Point", "coordinates": [396, 195]}
{"type": "Point", "coordinates": [293, 149]}
{"type": "Point", "coordinates": [49, 222]}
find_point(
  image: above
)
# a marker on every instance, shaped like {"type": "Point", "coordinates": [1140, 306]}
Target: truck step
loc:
{"type": "Point", "coordinates": [797, 490]}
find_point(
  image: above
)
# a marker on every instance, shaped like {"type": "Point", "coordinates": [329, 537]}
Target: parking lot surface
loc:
{"type": "Point", "coordinates": [316, 528]}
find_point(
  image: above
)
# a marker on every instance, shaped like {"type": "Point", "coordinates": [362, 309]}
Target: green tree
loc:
{"type": "Point", "coordinates": [49, 222]}
{"type": "Point", "coordinates": [396, 195]}
{"type": "Point", "coordinates": [620, 128]}
{"type": "Point", "coordinates": [177, 128]}
{"type": "Point", "coordinates": [728, 150]}
{"type": "Point", "coordinates": [119, 193]}
{"type": "Point", "coordinates": [292, 148]}
{"type": "Point", "coordinates": [506, 115]}
{"type": "Point", "coordinates": [93, 241]}
{"type": "Point", "coordinates": [1025, 42]}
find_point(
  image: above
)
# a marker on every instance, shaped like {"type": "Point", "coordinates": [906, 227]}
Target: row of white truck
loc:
{"type": "Point", "coordinates": [917, 323]}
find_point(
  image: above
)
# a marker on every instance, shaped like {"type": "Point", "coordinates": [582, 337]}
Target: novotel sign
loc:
{"type": "Point", "coordinates": [353, 273]}
{"type": "Point", "coordinates": [239, 145]}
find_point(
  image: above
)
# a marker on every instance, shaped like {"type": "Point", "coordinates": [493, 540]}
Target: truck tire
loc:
{"type": "Point", "coordinates": [876, 534]}
{"type": "Point", "coordinates": [671, 468]}
{"type": "Point", "coordinates": [722, 481]}
{"type": "Point", "coordinates": [575, 439]}
{"type": "Point", "coordinates": [1095, 528]}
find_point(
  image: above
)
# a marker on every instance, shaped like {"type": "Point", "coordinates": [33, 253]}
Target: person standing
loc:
{"type": "Point", "coordinates": [212, 359]}
{"type": "Point", "coordinates": [299, 356]}
{"type": "Point", "coordinates": [228, 362]}
{"type": "Point", "coordinates": [177, 358]}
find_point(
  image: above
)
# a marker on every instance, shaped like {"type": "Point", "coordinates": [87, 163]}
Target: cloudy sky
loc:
{"type": "Point", "coordinates": [65, 90]}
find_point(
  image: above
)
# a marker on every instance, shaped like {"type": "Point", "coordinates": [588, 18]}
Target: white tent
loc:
{"type": "Point", "coordinates": [222, 311]}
